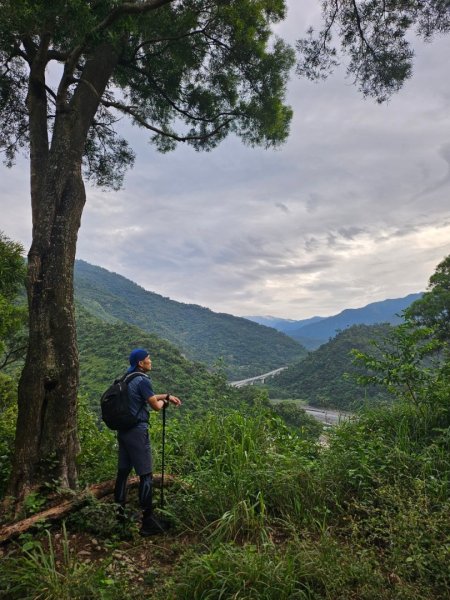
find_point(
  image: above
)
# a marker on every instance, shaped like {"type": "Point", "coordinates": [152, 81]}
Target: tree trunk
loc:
{"type": "Point", "coordinates": [46, 442]}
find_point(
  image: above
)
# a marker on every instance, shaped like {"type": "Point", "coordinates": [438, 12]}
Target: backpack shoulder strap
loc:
{"type": "Point", "coordinates": [129, 376]}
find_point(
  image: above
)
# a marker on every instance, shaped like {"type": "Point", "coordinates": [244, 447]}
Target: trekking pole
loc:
{"type": "Point", "coordinates": [163, 455]}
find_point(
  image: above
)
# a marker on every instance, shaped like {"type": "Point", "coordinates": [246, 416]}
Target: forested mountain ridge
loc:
{"type": "Point", "coordinates": [104, 349]}
{"type": "Point", "coordinates": [244, 347]}
{"type": "Point", "coordinates": [327, 376]}
{"type": "Point", "coordinates": [315, 331]}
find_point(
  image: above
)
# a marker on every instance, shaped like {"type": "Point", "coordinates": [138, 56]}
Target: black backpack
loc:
{"type": "Point", "coordinates": [115, 405]}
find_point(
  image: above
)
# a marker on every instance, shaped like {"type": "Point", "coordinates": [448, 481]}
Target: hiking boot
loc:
{"type": "Point", "coordinates": [151, 525]}
{"type": "Point", "coordinates": [121, 514]}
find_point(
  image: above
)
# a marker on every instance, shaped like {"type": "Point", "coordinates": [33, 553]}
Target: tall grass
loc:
{"type": "Point", "coordinates": [301, 569]}
{"type": "Point", "coordinates": [233, 465]}
{"type": "Point", "coordinates": [364, 517]}
{"type": "Point", "coordinates": [42, 572]}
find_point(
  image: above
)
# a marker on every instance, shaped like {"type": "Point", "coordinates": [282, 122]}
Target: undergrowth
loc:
{"type": "Point", "coordinates": [278, 514]}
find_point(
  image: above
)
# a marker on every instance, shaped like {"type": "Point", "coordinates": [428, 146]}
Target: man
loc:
{"type": "Point", "coordinates": [134, 443]}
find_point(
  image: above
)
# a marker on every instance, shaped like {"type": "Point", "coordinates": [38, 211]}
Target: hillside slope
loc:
{"type": "Point", "coordinates": [321, 378]}
{"type": "Point", "coordinates": [244, 347]}
{"type": "Point", "coordinates": [104, 349]}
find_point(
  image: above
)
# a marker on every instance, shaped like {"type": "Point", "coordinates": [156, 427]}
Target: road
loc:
{"type": "Point", "coordinates": [258, 378]}
{"type": "Point", "coordinates": [325, 415]}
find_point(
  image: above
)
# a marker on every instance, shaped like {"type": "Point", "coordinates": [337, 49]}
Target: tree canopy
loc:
{"type": "Point", "coordinates": [185, 70]}
{"type": "Point", "coordinates": [433, 309]}
{"type": "Point", "coordinates": [376, 37]}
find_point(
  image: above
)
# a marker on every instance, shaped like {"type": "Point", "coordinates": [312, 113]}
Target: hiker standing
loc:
{"type": "Point", "coordinates": [134, 443]}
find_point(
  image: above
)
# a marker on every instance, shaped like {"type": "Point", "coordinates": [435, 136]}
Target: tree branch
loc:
{"type": "Point", "coordinates": [11, 357]}
{"type": "Point", "coordinates": [128, 8]}
{"type": "Point", "coordinates": [360, 29]}
{"type": "Point", "coordinates": [141, 120]}
{"type": "Point", "coordinates": [59, 511]}
{"type": "Point", "coordinates": [172, 103]}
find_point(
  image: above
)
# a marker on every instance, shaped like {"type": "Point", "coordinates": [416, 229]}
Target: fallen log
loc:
{"type": "Point", "coordinates": [98, 490]}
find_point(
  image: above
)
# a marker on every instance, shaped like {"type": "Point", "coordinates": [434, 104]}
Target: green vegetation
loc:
{"type": "Point", "coordinates": [44, 571]}
{"type": "Point", "coordinates": [244, 348]}
{"type": "Point", "coordinates": [265, 513]}
{"type": "Point", "coordinates": [13, 315]}
{"type": "Point", "coordinates": [104, 350]}
{"type": "Point", "coordinates": [261, 508]}
{"type": "Point", "coordinates": [376, 40]}
{"type": "Point", "coordinates": [328, 376]}
{"type": "Point", "coordinates": [433, 309]}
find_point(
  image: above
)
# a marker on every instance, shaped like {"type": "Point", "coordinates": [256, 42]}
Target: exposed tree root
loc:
{"type": "Point", "coordinates": [99, 490]}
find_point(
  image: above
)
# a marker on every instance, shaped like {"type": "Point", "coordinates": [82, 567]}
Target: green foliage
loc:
{"type": "Point", "coordinates": [104, 350]}
{"type": "Point", "coordinates": [433, 309]}
{"type": "Point", "coordinates": [364, 515]}
{"type": "Point", "coordinates": [378, 480]}
{"type": "Point", "coordinates": [12, 316]}
{"type": "Point", "coordinates": [189, 71]}
{"type": "Point", "coordinates": [328, 377]}
{"type": "Point", "coordinates": [33, 503]}
{"type": "Point", "coordinates": [240, 468]}
{"type": "Point", "coordinates": [48, 573]}
{"type": "Point", "coordinates": [245, 348]}
{"type": "Point", "coordinates": [356, 502]}
{"type": "Point", "coordinates": [295, 416]}
{"type": "Point", "coordinates": [400, 363]}
{"type": "Point", "coordinates": [12, 267]}
{"type": "Point", "coordinates": [95, 517]}
{"type": "Point", "coordinates": [8, 416]}
{"type": "Point", "coordinates": [97, 460]}
{"type": "Point", "coordinates": [376, 38]}
{"type": "Point", "coordinates": [304, 569]}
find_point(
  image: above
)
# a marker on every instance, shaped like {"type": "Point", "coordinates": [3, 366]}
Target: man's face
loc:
{"type": "Point", "coordinates": [146, 364]}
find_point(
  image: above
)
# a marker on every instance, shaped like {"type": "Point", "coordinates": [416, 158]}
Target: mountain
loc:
{"type": "Point", "coordinates": [327, 376]}
{"type": "Point", "coordinates": [104, 348]}
{"type": "Point", "coordinates": [284, 325]}
{"type": "Point", "coordinates": [243, 348]}
{"type": "Point", "coordinates": [313, 332]}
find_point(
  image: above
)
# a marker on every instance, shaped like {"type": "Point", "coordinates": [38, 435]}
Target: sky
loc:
{"type": "Point", "coordinates": [353, 209]}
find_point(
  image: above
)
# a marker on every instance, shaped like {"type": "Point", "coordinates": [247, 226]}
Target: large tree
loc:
{"type": "Point", "coordinates": [433, 309]}
{"type": "Point", "coordinates": [188, 71]}
{"type": "Point", "coordinates": [375, 36]}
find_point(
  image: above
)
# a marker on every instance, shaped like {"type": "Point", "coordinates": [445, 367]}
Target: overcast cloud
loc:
{"type": "Point", "coordinates": [352, 209]}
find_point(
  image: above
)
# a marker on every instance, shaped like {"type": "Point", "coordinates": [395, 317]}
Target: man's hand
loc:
{"type": "Point", "coordinates": [173, 400]}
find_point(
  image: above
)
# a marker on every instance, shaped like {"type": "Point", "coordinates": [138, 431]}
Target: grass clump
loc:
{"type": "Point", "coordinates": [42, 571]}
{"type": "Point", "coordinates": [232, 465]}
{"type": "Point", "coordinates": [300, 569]}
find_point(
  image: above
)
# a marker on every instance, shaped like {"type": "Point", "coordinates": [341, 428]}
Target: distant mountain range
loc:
{"type": "Point", "coordinates": [314, 332]}
{"type": "Point", "coordinates": [243, 348]}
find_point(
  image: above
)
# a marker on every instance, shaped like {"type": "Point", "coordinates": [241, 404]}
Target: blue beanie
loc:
{"type": "Point", "coordinates": [136, 356]}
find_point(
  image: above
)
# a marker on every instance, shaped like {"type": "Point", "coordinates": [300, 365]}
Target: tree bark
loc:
{"type": "Point", "coordinates": [46, 442]}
